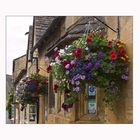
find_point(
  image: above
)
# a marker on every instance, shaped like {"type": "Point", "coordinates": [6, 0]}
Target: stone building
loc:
{"type": "Point", "coordinates": [49, 32]}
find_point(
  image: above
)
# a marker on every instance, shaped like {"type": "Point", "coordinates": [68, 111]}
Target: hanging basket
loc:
{"type": "Point", "coordinates": [90, 59]}
{"type": "Point", "coordinates": [30, 88]}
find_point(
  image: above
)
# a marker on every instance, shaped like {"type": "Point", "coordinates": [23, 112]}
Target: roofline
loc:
{"type": "Point", "coordinates": [19, 57]}
{"type": "Point", "coordinates": [51, 29]}
{"type": "Point", "coordinates": [15, 60]}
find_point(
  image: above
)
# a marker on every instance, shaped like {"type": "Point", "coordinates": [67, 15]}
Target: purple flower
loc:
{"type": "Point", "coordinates": [100, 52]}
{"type": "Point", "coordinates": [72, 82]}
{"type": "Point", "coordinates": [67, 66]}
{"type": "Point", "coordinates": [83, 77]}
{"type": "Point", "coordinates": [77, 83]}
{"type": "Point", "coordinates": [76, 77]}
{"type": "Point", "coordinates": [97, 64]}
{"type": "Point", "coordinates": [124, 77]}
{"type": "Point", "coordinates": [126, 70]}
{"type": "Point", "coordinates": [77, 89]}
{"type": "Point", "coordinates": [88, 66]}
{"type": "Point", "coordinates": [110, 70]}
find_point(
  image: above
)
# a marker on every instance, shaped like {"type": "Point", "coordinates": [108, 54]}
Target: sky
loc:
{"type": "Point", "coordinates": [16, 40]}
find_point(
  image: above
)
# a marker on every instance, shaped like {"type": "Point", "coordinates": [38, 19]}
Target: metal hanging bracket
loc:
{"type": "Point", "coordinates": [118, 26]}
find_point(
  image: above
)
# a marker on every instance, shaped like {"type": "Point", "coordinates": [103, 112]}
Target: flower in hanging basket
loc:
{"type": "Point", "coordinates": [30, 88]}
{"type": "Point", "coordinates": [91, 59]}
{"type": "Point", "coordinates": [113, 55]}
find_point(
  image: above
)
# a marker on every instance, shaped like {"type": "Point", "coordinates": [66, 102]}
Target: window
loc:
{"type": "Point", "coordinates": [32, 113]}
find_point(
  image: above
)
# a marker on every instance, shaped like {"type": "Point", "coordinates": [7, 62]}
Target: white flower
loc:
{"type": "Point", "coordinates": [67, 72]}
{"type": "Point", "coordinates": [69, 46]}
{"type": "Point", "coordinates": [69, 53]}
{"type": "Point", "coordinates": [55, 49]}
{"type": "Point", "coordinates": [83, 42]}
{"type": "Point", "coordinates": [86, 48]}
{"type": "Point", "coordinates": [57, 60]}
{"type": "Point", "coordinates": [53, 63]}
{"type": "Point", "coordinates": [62, 51]}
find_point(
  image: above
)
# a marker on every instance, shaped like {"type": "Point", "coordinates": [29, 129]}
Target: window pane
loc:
{"type": "Point", "coordinates": [32, 109]}
{"type": "Point", "coordinates": [32, 117]}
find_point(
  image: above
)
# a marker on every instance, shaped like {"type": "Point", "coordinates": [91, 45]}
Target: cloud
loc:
{"type": "Point", "coordinates": [16, 27]}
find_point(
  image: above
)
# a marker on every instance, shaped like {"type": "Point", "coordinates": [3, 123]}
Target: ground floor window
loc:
{"type": "Point", "coordinates": [32, 113]}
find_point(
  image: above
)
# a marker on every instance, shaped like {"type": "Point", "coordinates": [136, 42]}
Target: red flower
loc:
{"type": "Point", "coordinates": [90, 35]}
{"type": "Point", "coordinates": [110, 43]}
{"type": "Point", "coordinates": [37, 70]}
{"type": "Point", "coordinates": [89, 40]}
{"type": "Point", "coordinates": [55, 88]}
{"type": "Point", "coordinates": [112, 52]}
{"type": "Point", "coordinates": [101, 36]}
{"type": "Point", "coordinates": [44, 81]}
{"type": "Point", "coordinates": [39, 87]}
{"type": "Point", "coordinates": [78, 53]}
{"type": "Point", "coordinates": [122, 51]}
{"type": "Point", "coordinates": [56, 54]}
{"type": "Point", "coordinates": [65, 62]}
{"type": "Point", "coordinates": [119, 43]}
{"type": "Point", "coordinates": [35, 94]}
{"type": "Point", "coordinates": [35, 80]}
{"type": "Point", "coordinates": [113, 55]}
{"type": "Point", "coordinates": [49, 68]}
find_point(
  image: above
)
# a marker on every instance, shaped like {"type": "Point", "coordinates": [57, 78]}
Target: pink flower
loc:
{"type": "Point", "coordinates": [67, 66]}
{"type": "Point", "coordinates": [72, 63]}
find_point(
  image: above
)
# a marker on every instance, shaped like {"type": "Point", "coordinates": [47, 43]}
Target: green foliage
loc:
{"type": "Point", "coordinates": [72, 98]}
{"type": "Point", "coordinates": [9, 102]}
{"type": "Point", "coordinates": [58, 71]}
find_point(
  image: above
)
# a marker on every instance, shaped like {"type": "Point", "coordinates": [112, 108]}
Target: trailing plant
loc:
{"type": "Point", "coordinates": [30, 88]}
{"type": "Point", "coordinates": [9, 102]}
{"type": "Point", "coordinates": [90, 59]}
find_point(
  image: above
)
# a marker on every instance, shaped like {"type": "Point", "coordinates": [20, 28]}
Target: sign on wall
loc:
{"type": "Point", "coordinates": [91, 99]}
